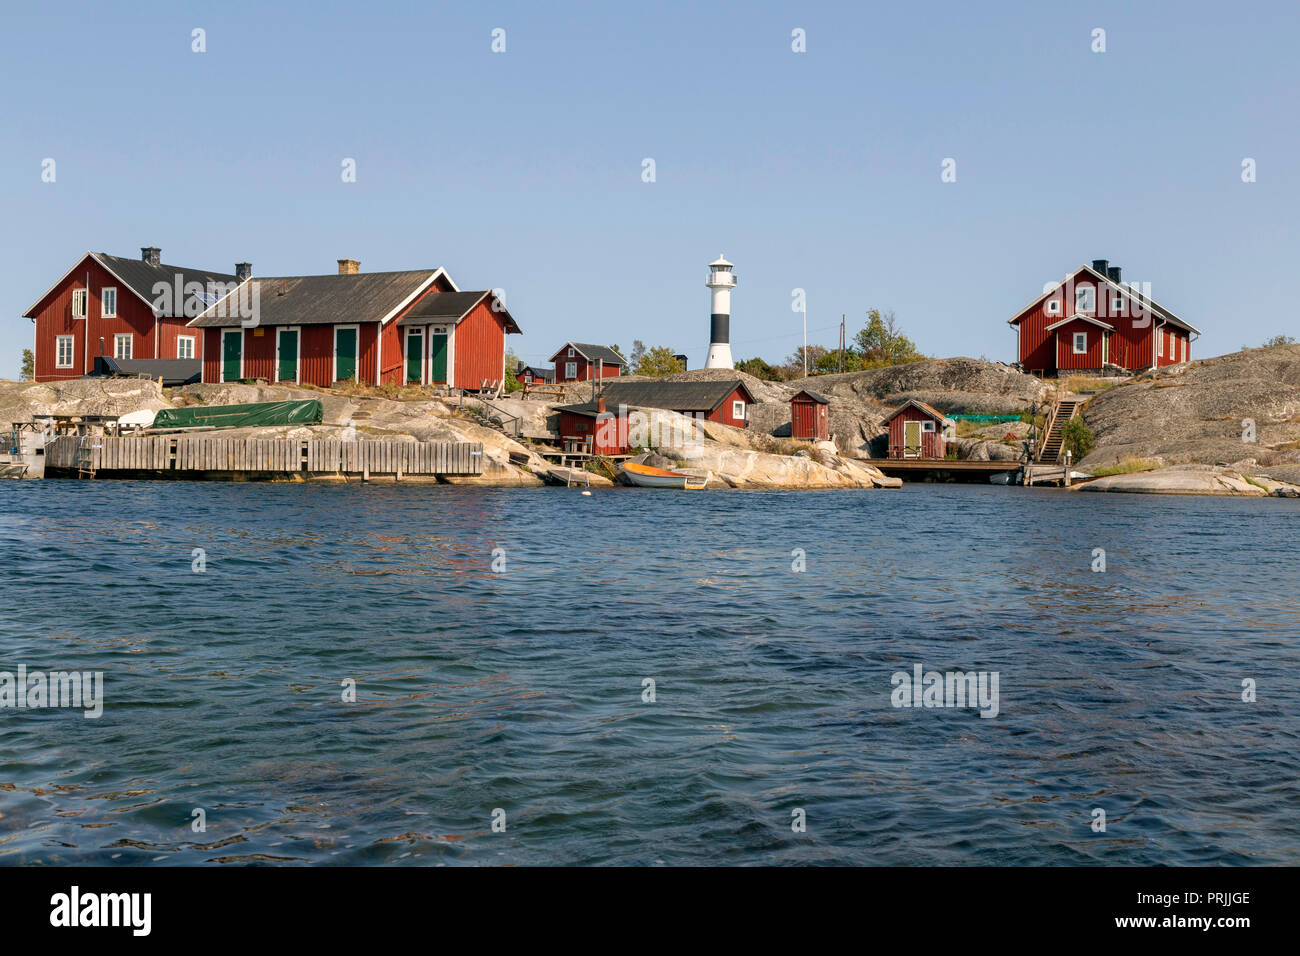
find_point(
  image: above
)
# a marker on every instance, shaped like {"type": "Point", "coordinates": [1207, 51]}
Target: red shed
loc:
{"type": "Point", "coordinates": [1091, 320]}
{"type": "Point", "coordinates": [810, 416]}
{"type": "Point", "coordinates": [607, 431]}
{"type": "Point", "coordinates": [916, 430]}
{"type": "Point", "coordinates": [725, 401]}
{"type": "Point", "coordinates": [378, 328]}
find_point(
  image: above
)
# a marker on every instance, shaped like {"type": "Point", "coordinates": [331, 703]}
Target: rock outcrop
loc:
{"type": "Point", "coordinates": [1193, 480]}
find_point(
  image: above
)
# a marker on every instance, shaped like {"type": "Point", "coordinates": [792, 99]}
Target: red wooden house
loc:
{"type": "Point", "coordinates": [1091, 321]}
{"type": "Point", "coordinates": [376, 328]}
{"type": "Point", "coordinates": [127, 309]}
{"type": "Point", "coordinates": [533, 375]}
{"type": "Point", "coordinates": [724, 401]}
{"type": "Point", "coordinates": [606, 431]}
{"type": "Point", "coordinates": [810, 416]}
{"type": "Point", "coordinates": [579, 362]}
{"type": "Point", "coordinates": [916, 430]}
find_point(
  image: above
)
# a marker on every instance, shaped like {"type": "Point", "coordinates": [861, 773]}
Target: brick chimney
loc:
{"type": "Point", "coordinates": [600, 404]}
{"type": "Point", "coordinates": [151, 255]}
{"type": "Point", "coordinates": [243, 271]}
{"type": "Point", "coordinates": [349, 267]}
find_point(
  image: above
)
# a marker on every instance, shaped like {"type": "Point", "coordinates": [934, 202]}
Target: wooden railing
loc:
{"type": "Point", "coordinates": [324, 456]}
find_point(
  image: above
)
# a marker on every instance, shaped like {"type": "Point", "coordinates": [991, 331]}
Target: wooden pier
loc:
{"type": "Point", "coordinates": [942, 469]}
{"type": "Point", "coordinates": [88, 456]}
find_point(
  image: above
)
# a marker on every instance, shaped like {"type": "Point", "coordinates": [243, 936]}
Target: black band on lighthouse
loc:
{"type": "Point", "coordinates": [719, 329]}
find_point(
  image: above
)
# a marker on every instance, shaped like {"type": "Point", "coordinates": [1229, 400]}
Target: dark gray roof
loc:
{"type": "Point", "coordinates": [674, 396]}
{"type": "Point", "coordinates": [593, 353]}
{"type": "Point", "coordinates": [817, 397]}
{"type": "Point", "coordinates": [322, 300]}
{"type": "Point", "coordinates": [172, 371]}
{"type": "Point", "coordinates": [586, 409]}
{"type": "Point", "coordinates": [545, 374]}
{"type": "Point", "coordinates": [451, 306]}
{"type": "Point", "coordinates": [143, 276]}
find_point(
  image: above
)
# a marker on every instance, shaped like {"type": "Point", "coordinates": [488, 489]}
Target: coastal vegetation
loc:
{"type": "Point", "coordinates": [1078, 438]}
{"type": "Point", "coordinates": [1127, 466]}
{"type": "Point", "coordinates": [880, 343]}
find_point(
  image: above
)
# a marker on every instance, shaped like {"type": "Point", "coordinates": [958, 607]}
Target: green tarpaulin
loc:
{"type": "Point", "coordinates": [985, 419]}
{"type": "Point", "coordinates": [241, 416]}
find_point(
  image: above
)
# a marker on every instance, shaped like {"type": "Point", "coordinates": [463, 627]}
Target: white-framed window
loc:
{"type": "Point", "coordinates": [1080, 343]}
{"type": "Point", "coordinates": [1116, 305]}
{"type": "Point", "coordinates": [108, 302]}
{"type": "Point", "coordinates": [570, 353]}
{"type": "Point", "coordinates": [1085, 298]}
{"type": "Point", "coordinates": [78, 303]}
{"type": "Point", "coordinates": [1053, 306]}
{"type": "Point", "coordinates": [927, 426]}
{"type": "Point", "coordinates": [185, 346]}
{"type": "Point", "coordinates": [63, 351]}
{"type": "Point", "coordinates": [1160, 343]}
{"type": "Point", "coordinates": [570, 369]}
{"type": "Point", "coordinates": [1184, 350]}
{"type": "Point", "coordinates": [738, 410]}
{"type": "Point", "coordinates": [122, 345]}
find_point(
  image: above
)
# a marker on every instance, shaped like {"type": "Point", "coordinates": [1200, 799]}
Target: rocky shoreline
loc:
{"type": "Point", "coordinates": [1223, 426]}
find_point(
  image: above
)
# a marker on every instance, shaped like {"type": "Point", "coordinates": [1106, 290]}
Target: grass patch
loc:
{"type": "Point", "coordinates": [1127, 466]}
{"type": "Point", "coordinates": [1082, 383]}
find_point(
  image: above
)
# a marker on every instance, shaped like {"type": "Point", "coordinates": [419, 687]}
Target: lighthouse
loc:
{"type": "Point", "coordinates": [721, 281]}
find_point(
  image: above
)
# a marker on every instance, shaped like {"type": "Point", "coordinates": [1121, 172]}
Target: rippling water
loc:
{"type": "Point", "coordinates": [523, 690]}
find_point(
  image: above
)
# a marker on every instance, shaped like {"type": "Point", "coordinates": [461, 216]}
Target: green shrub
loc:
{"type": "Point", "coordinates": [1078, 437]}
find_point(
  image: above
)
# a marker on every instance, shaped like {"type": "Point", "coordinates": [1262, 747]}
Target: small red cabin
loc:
{"type": "Point", "coordinates": [606, 431]}
{"type": "Point", "coordinates": [580, 362]}
{"type": "Point", "coordinates": [810, 418]}
{"type": "Point", "coordinates": [916, 430]}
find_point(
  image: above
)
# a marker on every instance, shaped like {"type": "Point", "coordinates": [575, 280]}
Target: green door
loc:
{"type": "Point", "coordinates": [287, 368]}
{"type": "Point", "coordinates": [345, 354]}
{"type": "Point", "coordinates": [231, 353]}
{"type": "Point", "coordinates": [414, 356]}
{"type": "Point", "coordinates": [437, 358]}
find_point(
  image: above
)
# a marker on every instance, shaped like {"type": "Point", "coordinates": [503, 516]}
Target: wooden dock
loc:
{"type": "Point", "coordinates": [94, 455]}
{"type": "Point", "coordinates": [942, 469]}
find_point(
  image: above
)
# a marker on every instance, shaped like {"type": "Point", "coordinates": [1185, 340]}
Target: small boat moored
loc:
{"type": "Point", "coordinates": [649, 477]}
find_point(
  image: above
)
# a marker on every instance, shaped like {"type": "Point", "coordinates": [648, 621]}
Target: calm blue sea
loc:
{"type": "Point", "coordinates": [519, 695]}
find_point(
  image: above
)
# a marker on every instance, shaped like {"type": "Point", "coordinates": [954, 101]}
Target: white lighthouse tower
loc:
{"type": "Point", "coordinates": [721, 281]}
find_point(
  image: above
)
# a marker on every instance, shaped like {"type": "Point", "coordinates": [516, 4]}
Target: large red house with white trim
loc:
{"type": "Point", "coordinates": [1092, 322]}
{"type": "Point", "coordinates": [376, 328]}
{"type": "Point", "coordinates": [124, 309]}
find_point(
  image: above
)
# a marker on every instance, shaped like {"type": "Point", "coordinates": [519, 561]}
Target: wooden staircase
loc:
{"type": "Point", "coordinates": [1054, 442]}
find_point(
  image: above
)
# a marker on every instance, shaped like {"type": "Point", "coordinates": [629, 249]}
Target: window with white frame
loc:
{"type": "Point", "coordinates": [63, 351]}
{"type": "Point", "coordinates": [108, 302]}
{"type": "Point", "coordinates": [927, 426]}
{"type": "Point", "coordinates": [1085, 298]}
{"type": "Point", "coordinates": [1117, 305]}
{"type": "Point", "coordinates": [122, 345]}
{"type": "Point", "coordinates": [570, 369]}
{"type": "Point", "coordinates": [1053, 306]}
{"type": "Point", "coordinates": [738, 410]}
{"type": "Point", "coordinates": [1080, 343]}
{"type": "Point", "coordinates": [185, 346]}
{"type": "Point", "coordinates": [570, 353]}
{"type": "Point", "coordinates": [78, 303]}
{"type": "Point", "coordinates": [1160, 343]}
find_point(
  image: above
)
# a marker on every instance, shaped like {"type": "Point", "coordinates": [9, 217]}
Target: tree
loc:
{"type": "Point", "coordinates": [656, 361]}
{"type": "Point", "coordinates": [512, 381]}
{"type": "Point", "coordinates": [761, 370]}
{"type": "Point", "coordinates": [1277, 340]}
{"type": "Point", "coordinates": [28, 371]}
{"type": "Point", "coordinates": [795, 362]}
{"type": "Point", "coordinates": [638, 353]}
{"type": "Point", "coordinates": [881, 342]}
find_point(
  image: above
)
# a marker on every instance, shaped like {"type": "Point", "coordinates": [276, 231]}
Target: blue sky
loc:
{"type": "Point", "coordinates": [817, 170]}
